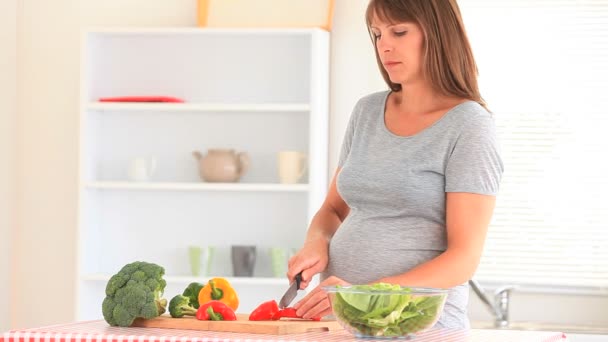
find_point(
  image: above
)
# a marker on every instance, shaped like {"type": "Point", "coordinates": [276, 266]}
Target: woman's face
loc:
{"type": "Point", "coordinates": [400, 47]}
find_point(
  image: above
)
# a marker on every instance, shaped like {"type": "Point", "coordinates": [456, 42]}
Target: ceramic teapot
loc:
{"type": "Point", "coordinates": [222, 165]}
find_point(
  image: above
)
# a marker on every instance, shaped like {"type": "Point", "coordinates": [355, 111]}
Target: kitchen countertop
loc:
{"type": "Point", "coordinates": [99, 331]}
{"type": "Point", "coordinates": [543, 326]}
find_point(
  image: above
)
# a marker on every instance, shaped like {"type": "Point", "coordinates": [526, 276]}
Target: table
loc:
{"type": "Point", "coordinates": [99, 331]}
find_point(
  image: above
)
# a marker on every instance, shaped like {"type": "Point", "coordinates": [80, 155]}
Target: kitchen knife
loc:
{"type": "Point", "coordinates": [291, 293]}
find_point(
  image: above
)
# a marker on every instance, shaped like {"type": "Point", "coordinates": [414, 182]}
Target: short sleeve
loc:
{"type": "Point", "coordinates": [475, 165]}
{"type": "Point", "coordinates": [347, 140]}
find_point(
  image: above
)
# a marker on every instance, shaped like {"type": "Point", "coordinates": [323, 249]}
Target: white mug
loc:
{"type": "Point", "coordinates": [292, 165]}
{"type": "Point", "coordinates": [141, 169]}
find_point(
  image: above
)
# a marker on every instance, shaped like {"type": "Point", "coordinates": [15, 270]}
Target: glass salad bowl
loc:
{"type": "Point", "coordinates": [386, 310]}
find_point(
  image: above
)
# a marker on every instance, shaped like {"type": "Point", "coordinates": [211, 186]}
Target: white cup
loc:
{"type": "Point", "coordinates": [141, 169]}
{"type": "Point", "coordinates": [292, 165]}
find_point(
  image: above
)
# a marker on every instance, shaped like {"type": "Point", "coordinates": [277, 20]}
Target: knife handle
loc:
{"type": "Point", "coordinates": [298, 280]}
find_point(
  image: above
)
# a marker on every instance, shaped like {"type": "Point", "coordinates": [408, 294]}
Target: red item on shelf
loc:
{"type": "Point", "coordinates": [141, 99]}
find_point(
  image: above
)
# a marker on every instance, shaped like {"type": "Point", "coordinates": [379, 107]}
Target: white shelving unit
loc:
{"type": "Point", "coordinates": [255, 90]}
{"type": "Point", "coordinates": [270, 187]}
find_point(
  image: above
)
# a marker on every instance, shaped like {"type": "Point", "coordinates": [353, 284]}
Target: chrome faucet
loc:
{"type": "Point", "coordinates": [499, 306]}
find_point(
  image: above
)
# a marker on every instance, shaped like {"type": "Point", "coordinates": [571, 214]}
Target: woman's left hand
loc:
{"type": "Point", "coordinates": [316, 303]}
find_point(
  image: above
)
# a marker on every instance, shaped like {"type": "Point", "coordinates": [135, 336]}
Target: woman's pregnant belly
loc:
{"type": "Point", "coordinates": [363, 251]}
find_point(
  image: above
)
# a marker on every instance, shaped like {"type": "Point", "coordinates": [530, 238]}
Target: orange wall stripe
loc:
{"type": "Point", "coordinates": [203, 12]}
{"type": "Point", "coordinates": [330, 14]}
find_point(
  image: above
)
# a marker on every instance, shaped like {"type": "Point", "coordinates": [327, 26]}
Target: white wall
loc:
{"type": "Point", "coordinates": [8, 167]}
{"type": "Point", "coordinates": [48, 46]}
{"type": "Point", "coordinates": [49, 39]}
{"type": "Point", "coordinates": [47, 93]}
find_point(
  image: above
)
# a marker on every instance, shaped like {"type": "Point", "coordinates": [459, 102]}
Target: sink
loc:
{"type": "Point", "coordinates": [542, 326]}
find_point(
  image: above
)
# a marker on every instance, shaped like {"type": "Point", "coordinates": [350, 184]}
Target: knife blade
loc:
{"type": "Point", "coordinates": [291, 292]}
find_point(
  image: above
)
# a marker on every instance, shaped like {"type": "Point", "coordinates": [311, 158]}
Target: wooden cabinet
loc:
{"type": "Point", "coordinates": [255, 90]}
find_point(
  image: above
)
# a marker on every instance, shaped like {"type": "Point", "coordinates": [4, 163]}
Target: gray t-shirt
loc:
{"type": "Point", "coordinates": [396, 187]}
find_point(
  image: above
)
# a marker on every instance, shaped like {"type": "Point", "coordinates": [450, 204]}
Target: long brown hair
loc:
{"type": "Point", "coordinates": [449, 64]}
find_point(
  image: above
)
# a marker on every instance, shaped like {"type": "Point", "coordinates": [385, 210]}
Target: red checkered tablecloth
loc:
{"type": "Point", "coordinates": [99, 331]}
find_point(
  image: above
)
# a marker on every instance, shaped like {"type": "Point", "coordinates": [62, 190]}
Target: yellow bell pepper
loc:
{"type": "Point", "coordinates": [219, 289]}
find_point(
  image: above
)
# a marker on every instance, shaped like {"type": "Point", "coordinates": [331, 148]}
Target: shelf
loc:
{"type": "Point", "coordinates": [278, 100]}
{"type": "Point", "coordinates": [198, 186]}
{"type": "Point", "coordinates": [213, 31]}
{"type": "Point", "coordinates": [197, 107]}
{"type": "Point", "coordinates": [190, 279]}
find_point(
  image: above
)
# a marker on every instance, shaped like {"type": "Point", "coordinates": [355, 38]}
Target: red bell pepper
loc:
{"type": "Point", "coordinates": [270, 311]}
{"type": "Point", "coordinates": [215, 311]}
{"type": "Point", "coordinates": [288, 313]}
{"type": "Point", "coordinates": [265, 312]}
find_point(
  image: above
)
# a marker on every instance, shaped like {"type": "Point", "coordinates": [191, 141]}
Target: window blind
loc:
{"type": "Point", "coordinates": [544, 73]}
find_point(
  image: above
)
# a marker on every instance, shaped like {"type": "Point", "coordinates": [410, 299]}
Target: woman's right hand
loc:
{"type": "Point", "coordinates": [314, 255]}
{"type": "Point", "coordinates": [309, 260]}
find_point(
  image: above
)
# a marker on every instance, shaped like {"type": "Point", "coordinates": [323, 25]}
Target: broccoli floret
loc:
{"type": "Point", "coordinates": [135, 291]}
{"type": "Point", "coordinates": [192, 293]}
{"type": "Point", "coordinates": [179, 306]}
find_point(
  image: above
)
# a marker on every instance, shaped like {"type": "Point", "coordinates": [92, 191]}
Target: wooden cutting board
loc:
{"type": "Point", "coordinates": [241, 325]}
